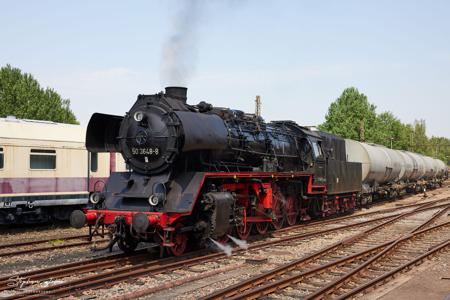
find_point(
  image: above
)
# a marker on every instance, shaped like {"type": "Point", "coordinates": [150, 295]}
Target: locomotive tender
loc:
{"type": "Point", "coordinates": [201, 172]}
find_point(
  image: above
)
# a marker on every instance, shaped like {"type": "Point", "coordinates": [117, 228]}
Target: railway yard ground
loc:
{"type": "Point", "coordinates": [393, 250]}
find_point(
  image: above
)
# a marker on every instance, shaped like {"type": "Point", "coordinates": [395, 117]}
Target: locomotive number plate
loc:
{"type": "Point", "coordinates": [145, 151]}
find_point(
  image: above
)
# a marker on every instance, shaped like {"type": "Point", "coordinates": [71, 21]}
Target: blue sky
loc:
{"type": "Point", "coordinates": [298, 55]}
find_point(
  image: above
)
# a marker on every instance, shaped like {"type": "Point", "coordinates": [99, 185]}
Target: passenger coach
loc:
{"type": "Point", "coordinates": [46, 171]}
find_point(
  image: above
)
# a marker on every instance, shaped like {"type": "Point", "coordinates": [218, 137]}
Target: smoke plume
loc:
{"type": "Point", "coordinates": [180, 49]}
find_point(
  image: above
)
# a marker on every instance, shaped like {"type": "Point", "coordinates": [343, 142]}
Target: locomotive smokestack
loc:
{"type": "Point", "coordinates": [177, 92]}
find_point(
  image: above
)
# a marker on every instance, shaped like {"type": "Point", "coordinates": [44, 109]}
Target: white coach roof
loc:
{"type": "Point", "coordinates": [13, 128]}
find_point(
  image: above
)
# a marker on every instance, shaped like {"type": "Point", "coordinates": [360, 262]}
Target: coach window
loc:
{"type": "Point", "coordinates": [1, 158]}
{"type": "Point", "coordinates": [94, 162]}
{"type": "Point", "coordinates": [42, 159]}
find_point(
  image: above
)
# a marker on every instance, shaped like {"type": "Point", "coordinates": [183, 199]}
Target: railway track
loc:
{"type": "Point", "coordinates": [119, 274]}
{"type": "Point", "coordinates": [317, 275]}
{"type": "Point", "coordinates": [137, 268]}
{"type": "Point", "coordinates": [398, 256]}
{"type": "Point", "coordinates": [8, 282]}
{"type": "Point", "coordinates": [11, 249]}
{"type": "Point", "coordinates": [119, 260]}
{"type": "Point", "coordinates": [122, 259]}
{"type": "Point", "coordinates": [314, 225]}
{"type": "Point", "coordinates": [42, 241]}
{"type": "Point", "coordinates": [307, 226]}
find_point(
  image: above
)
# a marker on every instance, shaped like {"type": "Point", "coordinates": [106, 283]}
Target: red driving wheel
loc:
{"type": "Point", "coordinates": [291, 211]}
{"type": "Point", "coordinates": [243, 231]}
{"type": "Point", "coordinates": [277, 208]}
{"type": "Point", "coordinates": [261, 227]}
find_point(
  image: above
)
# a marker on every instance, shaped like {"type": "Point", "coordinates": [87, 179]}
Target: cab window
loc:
{"type": "Point", "coordinates": [42, 159]}
{"type": "Point", "coordinates": [94, 162]}
{"type": "Point", "coordinates": [1, 158]}
{"type": "Point", "coordinates": [317, 149]}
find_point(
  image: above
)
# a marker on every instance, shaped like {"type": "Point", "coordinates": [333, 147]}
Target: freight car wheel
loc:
{"type": "Point", "coordinates": [277, 208]}
{"type": "Point", "coordinates": [179, 240]}
{"type": "Point", "coordinates": [291, 211]}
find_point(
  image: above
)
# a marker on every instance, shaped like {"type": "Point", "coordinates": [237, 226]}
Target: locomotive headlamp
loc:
{"type": "Point", "coordinates": [153, 200]}
{"type": "Point", "coordinates": [95, 198]}
{"type": "Point", "coordinates": [138, 116]}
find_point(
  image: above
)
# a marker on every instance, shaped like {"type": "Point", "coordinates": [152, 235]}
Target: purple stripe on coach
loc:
{"type": "Point", "coordinates": [50, 185]}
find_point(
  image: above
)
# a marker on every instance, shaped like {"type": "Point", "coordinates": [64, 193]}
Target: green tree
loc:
{"type": "Point", "coordinates": [419, 138]}
{"type": "Point", "coordinates": [391, 131]}
{"type": "Point", "coordinates": [352, 116]}
{"type": "Point", "coordinates": [23, 97]}
{"type": "Point", "coordinates": [407, 132]}
{"type": "Point", "coordinates": [440, 148]}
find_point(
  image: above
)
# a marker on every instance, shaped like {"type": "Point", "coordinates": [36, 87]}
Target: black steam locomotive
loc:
{"type": "Point", "coordinates": [200, 172]}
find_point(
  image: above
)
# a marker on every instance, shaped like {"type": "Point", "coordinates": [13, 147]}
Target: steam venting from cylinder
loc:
{"type": "Point", "coordinates": [179, 53]}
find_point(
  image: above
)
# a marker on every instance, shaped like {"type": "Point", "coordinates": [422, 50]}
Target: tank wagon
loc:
{"type": "Point", "coordinates": [389, 173]}
{"type": "Point", "coordinates": [201, 172]}
{"type": "Point", "coordinates": [46, 171]}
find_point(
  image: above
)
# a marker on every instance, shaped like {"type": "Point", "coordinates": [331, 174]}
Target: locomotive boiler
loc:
{"type": "Point", "coordinates": [198, 172]}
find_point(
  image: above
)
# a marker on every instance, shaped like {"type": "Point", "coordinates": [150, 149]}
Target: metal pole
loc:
{"type": "Point", "coordinates": [258, 106]}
